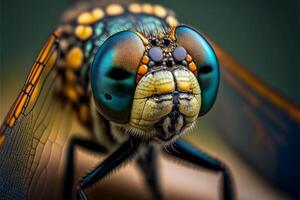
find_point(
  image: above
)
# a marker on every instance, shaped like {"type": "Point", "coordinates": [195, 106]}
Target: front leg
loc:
{"type": "Point", "coordinates": [69, 168]}
{"type": "Point", "coordinates": [123, 153]}
{"type": "Point", "coordinates": [148, 165]}
{"type": "Point", "coordinates": [187, 152]}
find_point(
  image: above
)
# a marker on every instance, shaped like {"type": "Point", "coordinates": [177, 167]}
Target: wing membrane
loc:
{"type": "Point", "coordinates": [261, 124]}
{"type": "Point", "coordinates": [33, 133]}
{"type": "Point", "coordinates": [45, 61]}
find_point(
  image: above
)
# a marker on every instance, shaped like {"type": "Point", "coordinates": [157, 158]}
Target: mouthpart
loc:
{"type": "Point", "coordinates": [170, 126]}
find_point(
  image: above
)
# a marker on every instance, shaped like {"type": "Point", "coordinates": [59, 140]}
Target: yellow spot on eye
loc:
{"type": "Point", "coordinates": [21, 105]}
{"type": "Point", "coordinates": [135, 8]}
{"type": "Point", "coordinates": [171, 21]}
{"type": "Point", "coordinates": [114, 9]}
{"type": "Point", "coordinates": [74, 58]}
{"type": "Point", "coordinates": [147, 8]}
{"type": "Point", "coordinates": [2, 138]}
{"type": "Point", "coordinates": [143, 69]}
{"type": "Point", "coordinates": [98, 13]}
{"type": "Point", "coordinates": [145, 59]}
{"type": "Point", "coordinates": [160, 11]}
{"type": "Point", "coordinates": [188, 58]}
{"type": "Point", "coordinates": [83, 32]}
{"type": "Point", "coordinates": [192, 67]}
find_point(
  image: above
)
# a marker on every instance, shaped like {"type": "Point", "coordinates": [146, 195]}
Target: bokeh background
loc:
{"type": "Point", "coordinates": [262, 35]}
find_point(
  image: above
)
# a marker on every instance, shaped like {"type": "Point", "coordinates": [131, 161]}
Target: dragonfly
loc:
{"type": "Point", "coordinates": [131, 42]}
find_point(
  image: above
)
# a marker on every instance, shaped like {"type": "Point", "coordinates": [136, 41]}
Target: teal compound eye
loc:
{"type": "Point", "coordinates": [206, 61]}
{"type": "Point", "coordinates": [113, 75]}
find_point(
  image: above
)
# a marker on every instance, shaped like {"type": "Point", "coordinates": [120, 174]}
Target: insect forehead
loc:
{"type": "Point", "coordinates": [163, 51]}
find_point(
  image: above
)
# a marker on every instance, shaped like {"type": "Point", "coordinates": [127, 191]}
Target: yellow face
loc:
{"type": "Point", "coordinates": [155, 86]}
{"type": "Point", "coordinates": [166, 103]}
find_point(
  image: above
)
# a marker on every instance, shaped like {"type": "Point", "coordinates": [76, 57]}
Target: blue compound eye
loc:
{"type": "Point", "coordinates": [206, 62]}
{"type": "Point", "coordinates": [113, 75]}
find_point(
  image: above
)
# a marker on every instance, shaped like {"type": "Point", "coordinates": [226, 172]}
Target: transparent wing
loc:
{"type": "Point", "coordinates": [33, 133]}
{"type": "Point", "coordinates": [261, 124]}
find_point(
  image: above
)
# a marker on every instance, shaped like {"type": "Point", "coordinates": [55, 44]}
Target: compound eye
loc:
{"type": "Point", "coordinates": [206, 62]}
{"type": "Point", "coordinates": [113, 75]}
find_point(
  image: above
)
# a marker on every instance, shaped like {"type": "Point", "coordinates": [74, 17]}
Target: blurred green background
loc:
{"type": "Point", "coordinates": [262, 35]}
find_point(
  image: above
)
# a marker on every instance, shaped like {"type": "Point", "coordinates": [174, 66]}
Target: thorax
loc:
{"type": "Point", "coordinates": [83, 29]}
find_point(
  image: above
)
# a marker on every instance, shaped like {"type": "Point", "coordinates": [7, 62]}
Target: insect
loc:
{"type": "Point", "coordinates": [135, 79]}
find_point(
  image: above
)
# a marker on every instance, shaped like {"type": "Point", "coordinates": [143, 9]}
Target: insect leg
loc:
{"type": "Point", "coordinates": [148, 165]}
{"type": "Point", "coordinates": [69, 169]}
{"type": "Point", "coordinates": [123, 153]}
{"type": "Point", "coordinates": [187, 152]}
